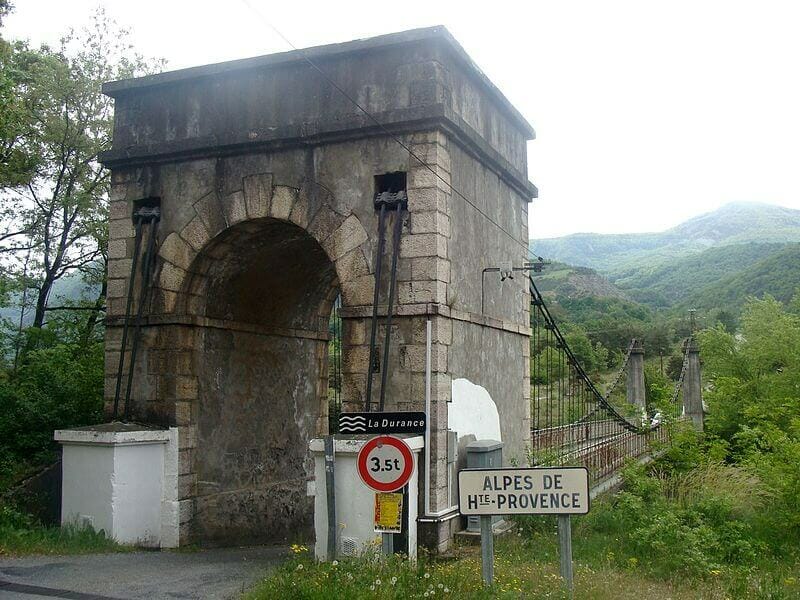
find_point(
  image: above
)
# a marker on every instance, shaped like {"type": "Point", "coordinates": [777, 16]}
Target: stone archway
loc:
{"type": "Point", "coordinates": [258, 288]}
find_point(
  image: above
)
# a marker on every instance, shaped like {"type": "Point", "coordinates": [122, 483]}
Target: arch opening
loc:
{"type": "Point", "coordinates": [266, 289]}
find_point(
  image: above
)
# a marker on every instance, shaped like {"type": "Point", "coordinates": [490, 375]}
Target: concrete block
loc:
{"type": "Point", "coordinates": [117, 248]}
{"type": "Point", "coordinates": [119, 209]}
{"type": "Point", "coordinates": [171, 277]}
{"type": "Point", "coordinates": [421, 177]}
{"type": "Point", "coordinates": [422, 292]}
{"type": "Point", "coordinates": [352, 265]}
{"type": "Point", "coordinates": [441, 331]}
{"type": "Point", "coordinates": [325, 222]}
{"type": "Point", "coordinates": [355, 359]}
{"type": "Point", "coordinates": [119, 229]}
{"type": "Point", "coordinates": [430, 268]}
{"type": "Point", "coordinates": [430, 222]}
{"type": "Point", "coordinates": [117, 288]}
{"type": "Point", "coordinates": [119, 268]}
{"type": "Point", "coordinates": [300, 210]}
{"type": "Point", "coordinates": [428, 199]}
{"type": "Point", "coordinates": [424, 244]}
{"type": "Point", "coordinates": [183, 413]}
{"type": "Point", "coordinates": [283, 198]}
{"type": "Point", "coordinates": [210, 212]}
{"type": "Point", "coordinates": [412, 358]}
{"type": "Point", "coordinates": [196, 234]}
{"type": "Point", "coordinates": [359, 291]}
{"type": "Point", "coordinates": [354, 332]}
{"type": "Point", "coordinates": [174, 249]}
{"type": "Point", "coordinates": [350, 235]}
{"type": "Point", "coordinates": [257, 194]}
{"type": "Point", "coordinates": [235, 208]}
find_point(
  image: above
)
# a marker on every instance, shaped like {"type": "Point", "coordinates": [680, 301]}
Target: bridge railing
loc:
{"type": "Point", "coordinates": [573, 423]}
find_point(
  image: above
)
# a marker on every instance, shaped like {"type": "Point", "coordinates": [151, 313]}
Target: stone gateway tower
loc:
{"type": "Point", "coordinates": [263, 177]}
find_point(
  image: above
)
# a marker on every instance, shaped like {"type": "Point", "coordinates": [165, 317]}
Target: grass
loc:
{"type": "Point", "coordinates": [524, 567]}
{"type": "Point", "coordinates": [21, 535]}
{"type": "Point", "coordinates": [696, 533]}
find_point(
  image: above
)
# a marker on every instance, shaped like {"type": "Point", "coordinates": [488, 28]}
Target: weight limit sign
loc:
{"type": "Point", "coordinates": [385, 463]}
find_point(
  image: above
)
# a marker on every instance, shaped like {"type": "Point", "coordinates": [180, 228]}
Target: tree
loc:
{"type": "Point", "coordinates": [60, 199]}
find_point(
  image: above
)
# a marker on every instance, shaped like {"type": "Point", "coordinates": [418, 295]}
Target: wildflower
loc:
{"type": "Point", "coordinates": [377, 582]}
{"type": "Point", "coordinates": [335, 563]}
{"type": "Point", "coordinates": [427, 575]}
{"type": "Point", "coordinates": [426, 594]}
{"type": "Point", "coordinates": [440, 586]}
{"type": "Point", "coordinates": [349, 575]}
{"type": "Point", "coordinates": [446, 590]}
{"type": "Point", "coordinates": [372, 587]}
{"type": "Point", "coordinates": [394, 580]}
{"type": "Point", "coordinates": [300, 567]}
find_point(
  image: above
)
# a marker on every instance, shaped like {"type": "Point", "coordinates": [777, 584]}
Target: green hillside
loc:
{"type": "Point", "coordinates": [619, 254]}
{"type": "Point", "coordinates": [673, 282]}
{"type": "Point", "coordinates": [777, 274]}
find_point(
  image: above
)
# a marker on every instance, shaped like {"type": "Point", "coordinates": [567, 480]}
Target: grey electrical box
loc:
{"type": "Point", "coordinates": [483, 454]}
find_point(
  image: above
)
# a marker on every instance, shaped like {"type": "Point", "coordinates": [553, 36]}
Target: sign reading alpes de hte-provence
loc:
{"type": "Point", "coordinates": [561, 490]}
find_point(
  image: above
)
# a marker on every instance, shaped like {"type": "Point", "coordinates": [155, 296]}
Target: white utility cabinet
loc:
{"type": "Point", "coordinates": [355, 502]}
{"type": "Point", "coordinates": [123, 479]}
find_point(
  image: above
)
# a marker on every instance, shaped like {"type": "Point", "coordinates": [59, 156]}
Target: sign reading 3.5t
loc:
{"type": "Point", "coordinates": [385, 463]}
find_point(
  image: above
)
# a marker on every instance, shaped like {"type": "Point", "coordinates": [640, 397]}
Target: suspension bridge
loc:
{"type": "Point", "coordinates": [575, 421]}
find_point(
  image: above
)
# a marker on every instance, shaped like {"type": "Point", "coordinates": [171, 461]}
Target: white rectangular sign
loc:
{"type": "Point", "coordinates": [534, 491]}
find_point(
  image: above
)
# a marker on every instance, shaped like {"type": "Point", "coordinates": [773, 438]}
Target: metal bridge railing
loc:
{"type": "Point", "coordinates": [573, 423]}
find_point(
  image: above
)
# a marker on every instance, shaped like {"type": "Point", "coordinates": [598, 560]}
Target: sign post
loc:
{"type": "Point", "coordinates": [561, 491]}
{"type": "Point", "coordinates": [385, 464]}
{"type": "Point", "coordinates": [565, 551]}
{"type": "Point", "coordinates": [487, 551]}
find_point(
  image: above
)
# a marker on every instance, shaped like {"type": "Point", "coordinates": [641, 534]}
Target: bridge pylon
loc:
{"type": "Point", "coordinates": [692, 385]}
{"type": "Point", "coordinates": [635, 391]}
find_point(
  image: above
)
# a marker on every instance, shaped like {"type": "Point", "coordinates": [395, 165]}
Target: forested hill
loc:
{"type": "Point", "coordinates": [620, 254]}
{"type": "Point", "coordinates": [758, 268]}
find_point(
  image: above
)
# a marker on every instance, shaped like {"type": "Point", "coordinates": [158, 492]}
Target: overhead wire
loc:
{"type": "Point", "coordinates": [380, 125]}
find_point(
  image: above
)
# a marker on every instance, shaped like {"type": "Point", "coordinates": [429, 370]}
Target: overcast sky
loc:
{"type": "Point", "coordinates": [647, 113]}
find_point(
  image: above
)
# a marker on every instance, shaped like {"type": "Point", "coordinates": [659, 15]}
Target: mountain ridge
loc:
{"type": "Point", "coordinates": [731, 224]}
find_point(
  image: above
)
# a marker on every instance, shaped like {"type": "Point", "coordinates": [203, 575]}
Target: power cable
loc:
{"type": "Point", "coordinates": [367, 114]}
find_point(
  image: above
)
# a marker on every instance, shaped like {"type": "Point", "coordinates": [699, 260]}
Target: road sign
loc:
{"type": "Point", "coordinates": [388, 512]}
{"type": "Point", "coordinates": [537, 491]}
{"type": "Point", "coordinates": [385, 463]}
{"type": "Point", "coordinates": [382, 422]}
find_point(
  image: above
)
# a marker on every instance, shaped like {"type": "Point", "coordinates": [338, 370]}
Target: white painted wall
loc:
{"type": "Point", "coordinates": [124, 482]}
{"type": "Point", "coordinates": [355, 502]}
{"type": "Point", "coordinates": [473, 412]}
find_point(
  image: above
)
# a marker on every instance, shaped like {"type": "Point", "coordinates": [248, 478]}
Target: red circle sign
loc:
{"type": "Point", "coordinates": [385, 463]}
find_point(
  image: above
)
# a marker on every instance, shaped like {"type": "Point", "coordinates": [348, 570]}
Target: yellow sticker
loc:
{"type": "Point", "coordinates": [388, 513]}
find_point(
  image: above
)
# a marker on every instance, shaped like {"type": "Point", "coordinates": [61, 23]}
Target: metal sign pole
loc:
{"type": "Point", "coordinates": [387, 544]}
{"type": "Point", "coordinates": [330, 491]}
{"type": "Point", "coordinates": [565, 551]}
{"type": "Point", "coordinates": [487, 550]}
